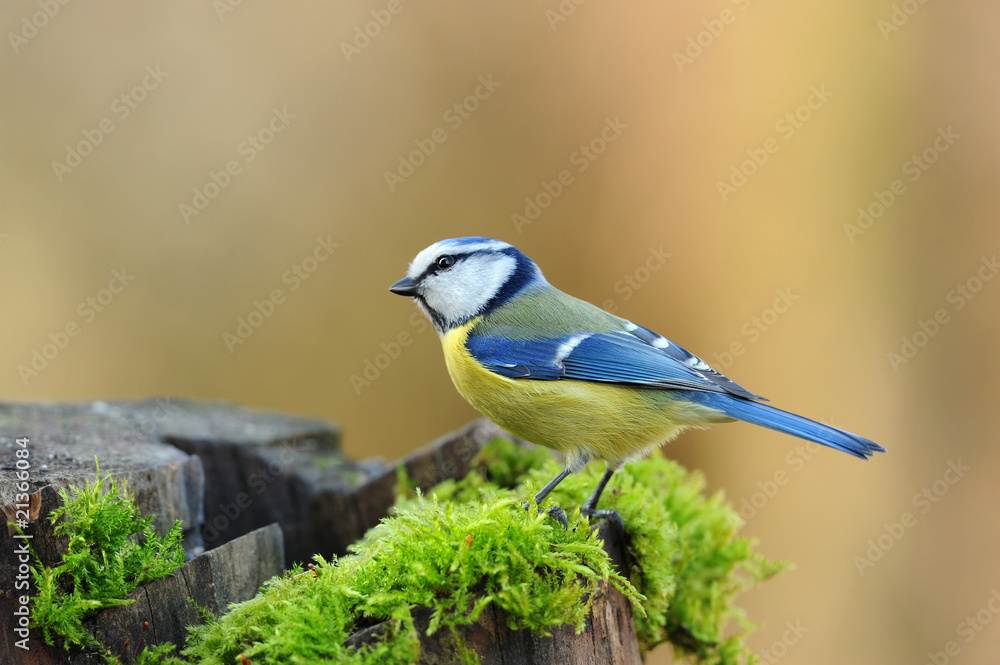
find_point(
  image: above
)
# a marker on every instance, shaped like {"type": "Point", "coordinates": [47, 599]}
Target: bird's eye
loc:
{"type": "Point", "coordinates": [445, 262]}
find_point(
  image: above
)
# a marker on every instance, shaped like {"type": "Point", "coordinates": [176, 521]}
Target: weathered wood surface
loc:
{"type": "Point", "coordinates": [609, 638]}
{"type": "Point", "coordinates": [227, 471]}
{"type": "Point", "coordinates": [133, 441]}
{"type": "Point", "coordinates": [322, 501]}
{"type": "Point", "coordinates": [63, 440]}
{"type": "Point", "coordinates": [229, 574]}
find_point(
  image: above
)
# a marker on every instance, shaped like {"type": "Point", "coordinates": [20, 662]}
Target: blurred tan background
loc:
{"type": "Point", "coordinates": [768, 261]}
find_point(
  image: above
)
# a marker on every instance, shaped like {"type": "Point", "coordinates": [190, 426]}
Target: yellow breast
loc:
{"type": "Point", "coordinates": [581, 419]}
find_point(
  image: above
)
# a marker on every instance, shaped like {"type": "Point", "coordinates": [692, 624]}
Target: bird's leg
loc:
{"type": "Point", "coordinates": [589, 507]}
{"type": "Point", "coordinates": [551, 485]}
{"type": "Point", "coordinates": [555, 512]}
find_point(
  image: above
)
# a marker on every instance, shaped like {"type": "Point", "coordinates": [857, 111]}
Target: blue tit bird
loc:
{"type": "Point", "coordinates": [565, 374]}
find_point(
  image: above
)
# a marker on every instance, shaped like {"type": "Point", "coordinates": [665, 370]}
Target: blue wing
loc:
{"type": "Point", "coordinates": [640, 358]}
{"type": "Point", "coordinates": [634, 357]}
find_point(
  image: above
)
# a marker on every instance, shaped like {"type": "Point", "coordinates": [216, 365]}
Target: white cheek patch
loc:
{"type": "Point", "coordinates": [462, 292]}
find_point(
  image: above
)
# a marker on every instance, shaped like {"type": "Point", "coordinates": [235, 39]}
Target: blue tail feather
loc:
{"type": "Point", "coordinates": [783, 421]}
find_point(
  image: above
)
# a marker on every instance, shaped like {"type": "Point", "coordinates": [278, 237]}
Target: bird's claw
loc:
{"type": "Point", "coordinates": [559, 515]}
{"type": "Point", "coordinates": [556, 513]}
{"type": "Point", "coordinates": [605, 514]}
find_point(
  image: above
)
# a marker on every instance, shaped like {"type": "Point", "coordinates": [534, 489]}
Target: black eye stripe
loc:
{"type": "Point", "coordinates": [433, 268]}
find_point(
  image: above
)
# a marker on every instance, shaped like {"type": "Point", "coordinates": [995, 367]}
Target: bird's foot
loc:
{"type": "Point", "coordinates": [604, 514]}
{"type": "Point", "coordinates": [555, 512]}
{"type": "Point", "coordinates": [559, 515]}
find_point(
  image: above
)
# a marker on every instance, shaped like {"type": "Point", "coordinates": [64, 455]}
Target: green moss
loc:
{"type": "Point", "coordinates": [324, 462]}
{"type": "Point", "coordinates": [455, 558]}
{"type": "Point", "coordinates": [158, 655]}
{"type": "Point", "coordinates": [470, 545]}
{"type": "Point", "coordinates": [467, 546]}
{"type": "Point", "coordinates": [684, 553]}
{"type": "Point", "coordinates": [104, 559]}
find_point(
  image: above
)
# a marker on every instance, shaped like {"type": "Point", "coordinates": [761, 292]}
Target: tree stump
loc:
{"type": "Point", "coordinates": [609, 638]}
{"type": "Point", "coordinates": [240, 479]}
{"type": "Point", "coordinates": [216, 579]}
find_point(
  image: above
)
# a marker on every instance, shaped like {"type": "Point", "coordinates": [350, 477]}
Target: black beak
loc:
{"type": "Point", "coordinates": [404, 287]}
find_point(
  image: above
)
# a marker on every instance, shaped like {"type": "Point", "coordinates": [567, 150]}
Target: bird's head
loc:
{"type": "Point", "coordinates": [454, 280]}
